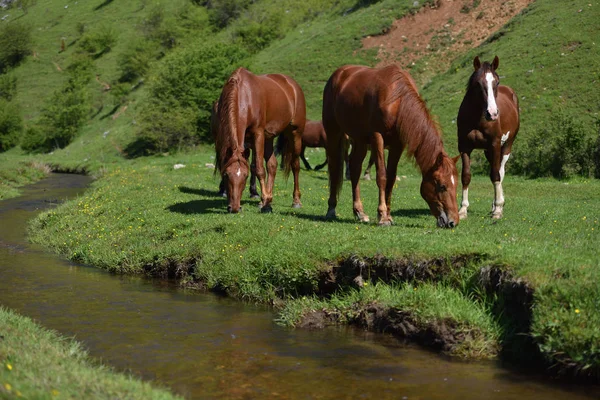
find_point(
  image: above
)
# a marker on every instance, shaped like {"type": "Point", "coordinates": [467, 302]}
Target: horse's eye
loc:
{"type": "Point", "coordinates": [441, 188]}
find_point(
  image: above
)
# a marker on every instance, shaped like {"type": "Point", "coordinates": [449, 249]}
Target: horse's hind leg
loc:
{"type": "Point", "coordinates": [466, 180]}
{"type": "Point", "coordinates": [367, 173]}
{"type": "Point", "coordinates": [357, 155]}
{"type": "Point", "coordinates": [303, 158]}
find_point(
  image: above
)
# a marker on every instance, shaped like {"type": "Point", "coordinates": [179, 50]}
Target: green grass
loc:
{"type": "Point", "coordinates": [17, 170]}
{"type": "Point", "coordinates": [36, 363]}
{"type": "Point", "coordinates": [147, 217]}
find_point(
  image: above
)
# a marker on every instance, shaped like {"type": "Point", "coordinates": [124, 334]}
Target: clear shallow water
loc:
{"type": "Point", "coordinates": [209, 347]}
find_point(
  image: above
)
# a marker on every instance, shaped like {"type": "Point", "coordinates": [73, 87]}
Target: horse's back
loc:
{"type": "Point", "coordinates": [360, 95]}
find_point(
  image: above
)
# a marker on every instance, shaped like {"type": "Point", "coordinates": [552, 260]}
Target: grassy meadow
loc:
{"type": "Point", "coordinates": [521, 288]}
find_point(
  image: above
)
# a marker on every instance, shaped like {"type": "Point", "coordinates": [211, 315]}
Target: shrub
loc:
{"type": "Point", "coordinates": [8, 86]}
{"type": "Point", "coordinates": [258, 34]}
{"type": "Point", "coordinates": [186, 85]}
{"type": "Point", "coordinates": [11, 125]}
{"type": "Point", "coordinates": [15, 43]}
{"type": "Point", "coordinates": [563, 148]}
{"type": "Point", "coordinates": [135, 61]}
{"type": "Point", "coordinates": [222, 12]}
{"type": "Point", "coordinates": [98, 42]}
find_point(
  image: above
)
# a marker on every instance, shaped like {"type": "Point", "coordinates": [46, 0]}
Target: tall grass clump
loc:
{"type": "Point", "coordinates": [8, 86]}
{"type": "Point", "coordinates": [177, 111]}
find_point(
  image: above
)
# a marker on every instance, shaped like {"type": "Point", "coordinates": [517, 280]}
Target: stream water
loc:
{"type": "Point", "coordinates": [210, 347]}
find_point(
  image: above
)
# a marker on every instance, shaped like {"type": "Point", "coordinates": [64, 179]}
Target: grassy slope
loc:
{"type": "Point", "coordinates": [39, 364]}
{"type": "Point", "coordinates": [180, 222]}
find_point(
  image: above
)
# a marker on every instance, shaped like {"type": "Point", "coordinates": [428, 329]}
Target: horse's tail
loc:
{"type": "Point", "coordinates": [285, 147]}
{"type": "Point", "coordinates": [335, 146]}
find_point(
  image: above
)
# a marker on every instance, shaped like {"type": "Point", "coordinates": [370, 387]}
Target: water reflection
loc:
{"type": "Point", "coordinates": [204, 346]}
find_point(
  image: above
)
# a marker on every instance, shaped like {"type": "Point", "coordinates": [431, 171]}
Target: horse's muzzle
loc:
{"type": "Point", "coordinates": [444, 222]}
{"type": "Point", "coordinates": [232, 210]}
{"type": "Point", "coordinates": [491, 117]}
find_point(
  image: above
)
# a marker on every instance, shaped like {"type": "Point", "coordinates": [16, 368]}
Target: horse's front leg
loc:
{"type": "Point", "coordinates": [271, 160]}
{"type": "Point", "coordinates": [377, 154]}
{"type": "Point", "coordinates": [298, 150]}
{"type": "Point", "coordinates": [357, 155]}
{"type": "Point", "coordinates": [495, 159]}
{"type": "Point", "coordinates": [253, 192]}
{"type": "Point", "coordinates": [392, 167]}
{"type": "Point", "coordinates": [259, 151]}
{"type": "Point", "coordinates": [466, 180]}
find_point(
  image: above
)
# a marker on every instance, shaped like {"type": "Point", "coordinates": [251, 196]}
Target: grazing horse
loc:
{"type": "Point", "coordinates": [214, 124]}
{"type": "Point", "coordinates": [257, 108]}
{"type": "Point", "coordinates": [488, 119]}
{"type": "Point", "coordinates": [313, 136]}
{"type": "Point", "coordinates": [382, 107]}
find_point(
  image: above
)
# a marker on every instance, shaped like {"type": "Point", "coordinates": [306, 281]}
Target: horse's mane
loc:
{"type": "Point", "coordinates": [226, 138]}
{"type": "Point", "coordinates": [418, 130]}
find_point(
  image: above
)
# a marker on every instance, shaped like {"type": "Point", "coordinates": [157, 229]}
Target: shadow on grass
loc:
{"type": "Point", "coordinates": [200, 192]}
{"type": "Point", "coordinates": [410, 213]}
{"type": "Point", "coordinates": [102, 5]}
{"type": "Point", "coordinates": [215, 206]}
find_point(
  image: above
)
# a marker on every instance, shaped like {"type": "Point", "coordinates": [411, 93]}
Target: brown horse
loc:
{"type": "Point", "coordinates": [382, 106]}
{"type": "Point", "coordinates": [214, 124]}
{"type": "Point", "coordinates": [488, 119]}
{"type": "Point", "coordinates": [257, 108]}
{"type": "Point", "coordinates": [313, 136]}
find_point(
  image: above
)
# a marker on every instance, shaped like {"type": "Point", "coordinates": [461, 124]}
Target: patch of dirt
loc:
{"type": "Point", "coordinates": [449, 27]}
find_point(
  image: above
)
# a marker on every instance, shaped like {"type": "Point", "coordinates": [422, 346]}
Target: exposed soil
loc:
{"type": "Point", "coordinates": [448, 27]}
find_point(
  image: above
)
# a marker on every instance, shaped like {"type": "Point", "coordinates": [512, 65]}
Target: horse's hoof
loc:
{"type": "Point", "coordinates": [462, 215]}
{"type": "Point", "coordinates": [255, 196]}
{"type": "Point", "coordinates": [330, 215]}
{"type": "Point", "coordinates": [362, 217]}
{"type": "Point", "coordinates": [496, 215]}
{"type": "Point", "coordinates": [367, 177]}
{"type": "Point", "coordinates": [297, 205]}
{"type": "Point", "coordinates": [266, 209]}
{"type": "Point", "coordinates": [222, 194]}
{"type": "Point", "coordinates": [385, 223]}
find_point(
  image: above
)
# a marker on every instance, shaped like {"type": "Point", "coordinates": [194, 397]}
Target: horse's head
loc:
{"type": "Point", "coordinates": [235, 173]}
{"type": "Point", "coordinates": [487, 79]}
{"type": "Point", "coordinates": [438, 189]}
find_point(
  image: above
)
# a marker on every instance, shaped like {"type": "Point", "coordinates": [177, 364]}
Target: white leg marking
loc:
{"type": "Point", "coordinates": [462, 213]}
{"type": "Point", "coordinates": [491, 101]}
{"type": "Point", "coordinates": [502, 164]}
{"type": "Point", "coordinates": [504, 138]}
{"type": "Point", "coordinates": [498, 200]}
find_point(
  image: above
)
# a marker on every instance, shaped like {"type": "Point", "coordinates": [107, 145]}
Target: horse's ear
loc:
{"type": "Point", "coordinates": [495, 63]}
{"type": "Point", "coordinates": [476, 63]}
{"type": "Point", "coordinates": [455, 159]}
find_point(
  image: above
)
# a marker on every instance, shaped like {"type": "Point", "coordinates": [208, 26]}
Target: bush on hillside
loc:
{"type": "Point", "coordinates": [8, 86]}
{"type": "Point", "coordinates": [11, 125]}
{"type": "Point", "coordinates": [135, 61]}
{"type": "Point", "coordinates": [182, 93]}
{"type": "Point", "coordinates": [15, 43]}
{"type": "Point", "coordinates": [561, 149]}
{"type": "Point", "coordinates": [65, 112]}
{"type": "Point", "coordinates": [98, 42]}
{"type": "Point", "coordinates": [258, 34]}
{"type": "Point", "coordinates": [222, 12]}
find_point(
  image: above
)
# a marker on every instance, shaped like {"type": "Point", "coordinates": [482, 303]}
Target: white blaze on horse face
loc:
{"type": "Point", "coordinates": [504, 138]}
{"type": "Point", "coordinates": [452, 179]}
{"type": "Point", "coordinates": [492, 109]}
{"type": "Point", "coordinates": [239, 172]}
